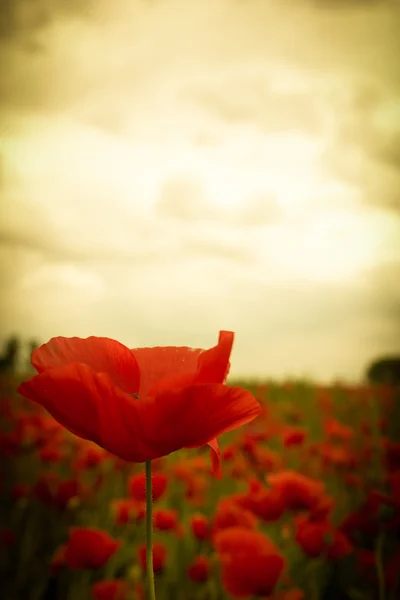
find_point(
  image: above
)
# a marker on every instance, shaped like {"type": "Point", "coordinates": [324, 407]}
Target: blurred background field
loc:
{"type": "Point", "coordinates": [318, 473]}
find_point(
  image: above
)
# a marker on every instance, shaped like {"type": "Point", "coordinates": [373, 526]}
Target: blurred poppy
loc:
{"type": "Point", "coordinates": [200, 526]}
{"type": "Point", "coordinates": [318, 538]}
{"type": "Point", "coordinates": [159, 556]}
{"type": "Point", "coordinates": [199, 569]}
{"type": "Point", "coordinates": [125, 510]}
{"type": "Point", "coordinates": [229, 514]}
{"type": "Point", "coordinates": [140, 404]}
{"type": "Point", "coordinates": [165, 519]}
{"type": "Point", "coordinates": [109, 589]}
{"type": "Point", "coordinates": [293, 436]}
{"type": "Point", "coordinates": [298, 492]}
{"type": "Point", "coordinates": [89, 548]}
{"type": "Point", "coordinates": [267, 504]}
{"type": "Point", "coordinates": [251, 564]}
{"type": "Point", "coordinates": [137, 486]}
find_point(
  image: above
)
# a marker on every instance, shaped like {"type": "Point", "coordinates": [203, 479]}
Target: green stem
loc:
{"type": "Point", "coordinates": [151, 592]}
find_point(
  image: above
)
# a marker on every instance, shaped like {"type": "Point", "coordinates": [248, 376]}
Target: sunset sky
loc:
{"type": "Point", "coordinates": [170, 168]}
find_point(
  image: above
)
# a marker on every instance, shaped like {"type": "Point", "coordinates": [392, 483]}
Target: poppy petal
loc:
{"type": "Point", "coordinates": [102, 354]}
{"type": "Point", "coordinates": [64, 393]}
{"type": "Point", "coordinates": [213, 364]}
{"type": "Point", "coordinates": [194, 415]}
{"type": "Point", "coordinates": [90, 406]}
{"type": "Point", "coordinates": [166, 366]}
{"type": "Point", "coordinates": [215, 454]}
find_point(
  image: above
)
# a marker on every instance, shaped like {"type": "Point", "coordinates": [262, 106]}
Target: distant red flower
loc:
{"type": "Point", "coordinates": [268, 459]}
{"type": "Point", "coordinates": [137, 486]}
{"type": "Point", "coordinates": [199, 569]}
{"type": "Point", "coordinates": [127, 509]}
{"type": "Point", "coordinates": [336, 430]}
{"type": "Point", "coordinates": [200, 526]}
{"type": "Point", "coordinates": [298, 492]}
{"type": "Point", "coordinates": [51, 453]}
{"type": "Point", "coordinates": [320, 538]}
{"type": "Point", "coordinates": [65, 491]}
{"type": "Point", "coordinates": [229, 452]}
{"type": "Point", "coordinates": [293, 436]}
{"type": "Point", "coordinates": [89, 456]}
{"type": "Point", "coordinates": [110, 589]}
{"type": "Point", "coordinates": [89, 548]}
{"type": "Point", "coordinates": [229, 514]}
{"type": "Point", "coordinates": [165, 519]}
{"type": "Point", "coordinates": [251, 564]}
{"type": "Point", "coordinates": [159, 556]}
{"type": "Point", "coordinates": [140, 404]}
{"type": "Point", "coordinates": [268, 504]}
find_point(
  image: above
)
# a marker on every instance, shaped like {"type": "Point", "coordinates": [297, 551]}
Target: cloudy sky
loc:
{"type": "Point", "coordinates": [170, 168]}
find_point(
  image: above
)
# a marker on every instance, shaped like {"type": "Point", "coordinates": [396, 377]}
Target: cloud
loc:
{"type": "Point", "coordinates": [184, 199]}
{"type": "Point", "coordinates": [360, 5]}
{"type": "Point", "coordinates": [253, 100]}
{"type": "Point", "coordinates": [387, 150]}
{"type": "Point", "coordinates": [364, 146]}
{"type": "Point", "coordinates": [176, 167]}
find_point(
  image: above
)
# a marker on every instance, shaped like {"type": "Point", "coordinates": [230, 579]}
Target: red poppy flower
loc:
{"type": "Point", "coordinates": [109, 589]}
{"type": "Point", "coordinates": [89, 548]}
{"type": "Point", "coordinates": [125, 510]}
{"type": "Point", "coordinates": [200, 526]}
{"type": "Point", "coordinates": [159, 556]}
{"type": "Point", "coordinates": [298, 491]}
{"type": "Point", "coordinates": [293, 436]}
{"type": "Point", "coordinates": [165, 519]}
{"type": "Point", "coordinates": [251, 564]}
{"type": "Point", "coordinates": [199, 569]}
{"type": "Point", "coordinates": [140, 404]}
{"type": "Point", "coordinates": [229, 514]}
{"type": "Point", "coordinates": [137, 486]}
{"type": "Point", "coordinates": [317, 538]}
{"type": "Point", "coordinates": [267, 504]}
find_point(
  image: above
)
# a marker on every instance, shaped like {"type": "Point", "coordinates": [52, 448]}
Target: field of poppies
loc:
{"type": "Point", "coordinates": [308, 506]}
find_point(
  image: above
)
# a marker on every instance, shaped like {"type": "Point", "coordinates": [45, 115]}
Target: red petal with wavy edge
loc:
{"type": "Point", "coordinates": [186, 417]}
{"type": "Point", "coordinates": [102, 354]}
{"type": "Point", "coordinates": [213, 364]}
{"type": "Point", "coordinates": [89, 548]}
{"type": "Point", "coordinates": [215, 454]}
{"type": "Point", "coordinates": [90, 406]}
{"type": "Point", "coordinates": [252, 575]}
{"type": "Point", "coordinates": [193, 416]}
{"type": "Point", "coordinates": [166, 366]}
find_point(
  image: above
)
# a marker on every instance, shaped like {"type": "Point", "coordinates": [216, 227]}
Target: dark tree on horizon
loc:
{"type": "Point", "coordinates": [9, 358]}
{"type": "Point", "coordinates": [384, 370]}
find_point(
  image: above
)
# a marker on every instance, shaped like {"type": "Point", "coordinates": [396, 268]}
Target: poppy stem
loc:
{"type": "Point", "coordinates": [151, 592]}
